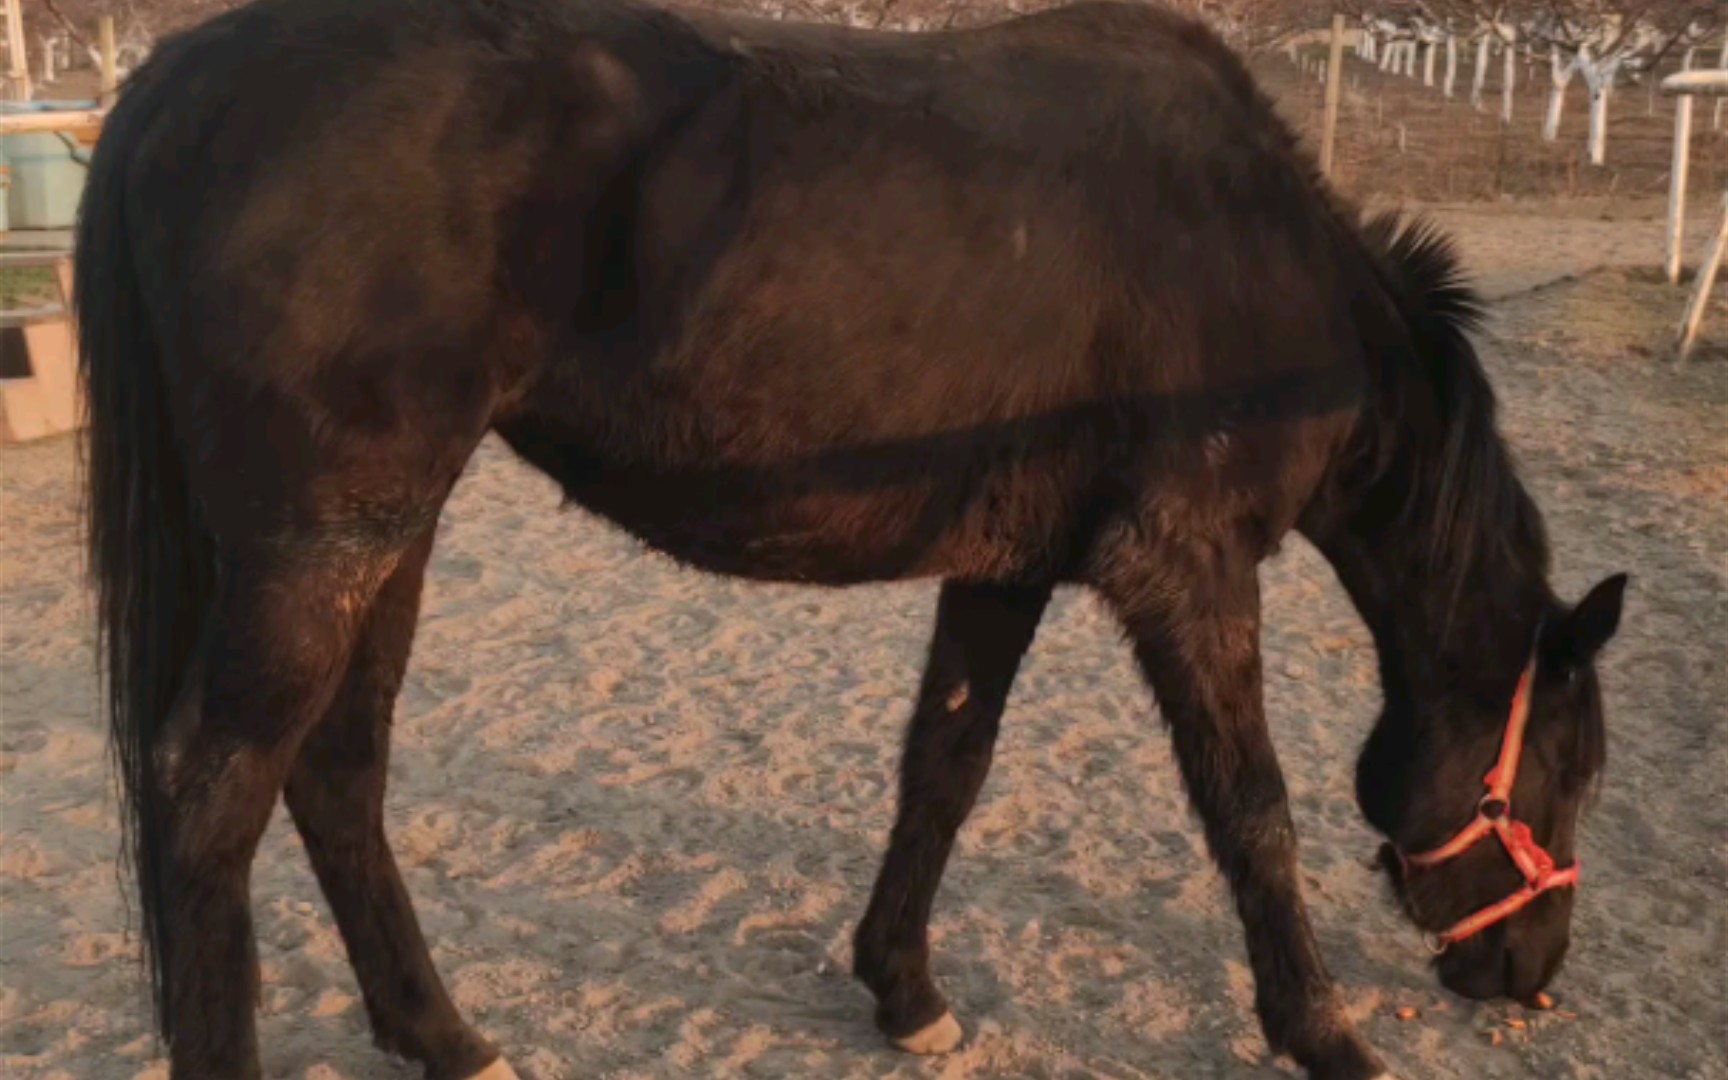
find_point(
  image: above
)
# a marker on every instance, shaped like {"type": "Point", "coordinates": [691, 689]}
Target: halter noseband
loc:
{"type": "Point", "coordinates": [1494, 816]}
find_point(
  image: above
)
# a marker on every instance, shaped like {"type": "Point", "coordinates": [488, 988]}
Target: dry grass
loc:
{"type": "Point", "coordinates": [27, 286]}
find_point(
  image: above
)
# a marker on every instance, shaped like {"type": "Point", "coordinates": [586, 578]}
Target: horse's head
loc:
{"type": "Point", "coordinates": [1479, 797]}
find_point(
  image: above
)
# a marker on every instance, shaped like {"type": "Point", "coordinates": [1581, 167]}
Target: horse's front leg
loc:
{"type": "Point", "coordinates": [982, 631]}
{"type": "Point", "coordinates": [1194, 621]}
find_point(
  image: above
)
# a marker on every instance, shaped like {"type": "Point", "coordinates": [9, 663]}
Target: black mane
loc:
{"type": "Point", "coordinates": [1444, 472]}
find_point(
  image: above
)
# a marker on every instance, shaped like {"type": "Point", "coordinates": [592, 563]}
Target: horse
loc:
{"type": "Point", "coordinates": [1054, 301]}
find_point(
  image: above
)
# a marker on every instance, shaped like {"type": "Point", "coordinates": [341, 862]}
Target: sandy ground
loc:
{"type": "Point", "coordinates": [640, 808]}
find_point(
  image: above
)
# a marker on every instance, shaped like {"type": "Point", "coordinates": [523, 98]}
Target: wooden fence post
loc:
{"type": "Point", "coordinates": [1334, 87]}
{"type": "Point", "coordinates": [1723, 64]}
{"type": "Point", "coordinates": [110, 60]}
{"type": "Point", "coordinates": [1677, 185]}
{"type": "Point", "coordinates": [19, 73]}
{"type": "Point", "coordinates": [1705, 283]}
{"type": "Point", "coordinates": [1509, 75]}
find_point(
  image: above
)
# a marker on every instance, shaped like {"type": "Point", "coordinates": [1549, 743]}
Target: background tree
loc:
{"type": "Point", "coordinates": [1597, 39]}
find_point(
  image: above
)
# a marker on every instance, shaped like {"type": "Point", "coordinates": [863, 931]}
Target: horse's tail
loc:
{"type": "Point", "coordinates": [151, 557]}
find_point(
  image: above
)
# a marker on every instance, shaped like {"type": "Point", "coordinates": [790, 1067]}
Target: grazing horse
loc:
{"type": "Point", "coordinates": [1058, 300]}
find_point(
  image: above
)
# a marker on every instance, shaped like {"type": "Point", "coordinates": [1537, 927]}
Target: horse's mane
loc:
{"type": "Point", "coordinates": [1464, 485]}
{"type": "Point", "coordinates": [1461, 486]}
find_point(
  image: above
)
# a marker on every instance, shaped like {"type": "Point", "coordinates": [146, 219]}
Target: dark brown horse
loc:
{"type": "Point", "coordinates": [1058, 300]}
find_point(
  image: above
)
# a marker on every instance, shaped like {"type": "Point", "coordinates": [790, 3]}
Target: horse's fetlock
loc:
{"type": "Point", "coordinates": [1321, 1038]}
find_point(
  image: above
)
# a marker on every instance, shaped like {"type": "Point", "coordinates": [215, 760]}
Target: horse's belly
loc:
{"type": "Point", "coordinates": [816, 533]}
{"type": "Point", "coordinates": [823, 522]}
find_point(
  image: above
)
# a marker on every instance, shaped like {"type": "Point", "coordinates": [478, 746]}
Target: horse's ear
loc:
{"type": "Point", "coordinates": [1583, 632]}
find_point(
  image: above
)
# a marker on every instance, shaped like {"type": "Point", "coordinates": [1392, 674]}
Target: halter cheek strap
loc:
{"type": "Point", "coordinates": [1494, 817]}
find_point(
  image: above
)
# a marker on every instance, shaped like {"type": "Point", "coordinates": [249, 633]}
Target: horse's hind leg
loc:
{"type": "Point", "coordinates": [335, 793]}
{"type": "Point", "coordinates": [309, 521]}
{"type": "Point", "coordinates": [275, 641]}
{"type": "Point", "coordinates": [982, 631]}
{"type": "Point", "coordinates": [1193, 615]}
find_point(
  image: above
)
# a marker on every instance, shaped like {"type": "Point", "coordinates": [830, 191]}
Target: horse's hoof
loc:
{"type": "Point", "coordinates": [498, 1070]}
{"type": "Point", "coordinates": [937, 1038]}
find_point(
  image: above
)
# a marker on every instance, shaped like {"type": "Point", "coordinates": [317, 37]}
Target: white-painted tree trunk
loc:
{"type": "Point", "coordinates": [1510, 74]}
{"type": "Point", "coordinates": [1428, 63]}
{"type": "Point", "coordinates": [1451, 64]}
{"type": "Point", "coordinates": [1560, 78]}
{"type": "Point", "coordinates": [1599, 94]}
{"type": "Point", "coordinates": [1600, 79]}
{"type": "Point", "coordinates": [1479, 77]}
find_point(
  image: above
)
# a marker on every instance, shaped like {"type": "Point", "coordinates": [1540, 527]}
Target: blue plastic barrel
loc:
{"type": "Point", "coordinates": [47, 177]}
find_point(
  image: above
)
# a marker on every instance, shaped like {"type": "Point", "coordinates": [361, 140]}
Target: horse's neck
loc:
{"type": "Point", "coordinates": [1434, 634]}
{"type": "Point", "coordinates": [1431, 530]}
{"type": "Point", "coordinates": [1438, 623]}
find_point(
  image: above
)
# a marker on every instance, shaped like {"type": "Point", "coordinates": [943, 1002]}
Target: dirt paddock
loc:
{"type": "Point", "coordinates": [640, 808]}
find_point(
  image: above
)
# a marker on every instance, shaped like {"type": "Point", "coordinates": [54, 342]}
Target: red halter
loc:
{"type": "Point", "coordinates": [1494, 816]}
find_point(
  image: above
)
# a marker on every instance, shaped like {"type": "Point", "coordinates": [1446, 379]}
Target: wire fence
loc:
{"type": "Point", "coordinates": [1399, 138]}
{"type": "Point", "coordinates": [1402, 139]}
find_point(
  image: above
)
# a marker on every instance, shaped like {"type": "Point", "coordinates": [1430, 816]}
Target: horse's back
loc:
{"type": "Point", "coordinates": [903, 304]}
{"type": "Point", "coordinates": [987, 224]}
